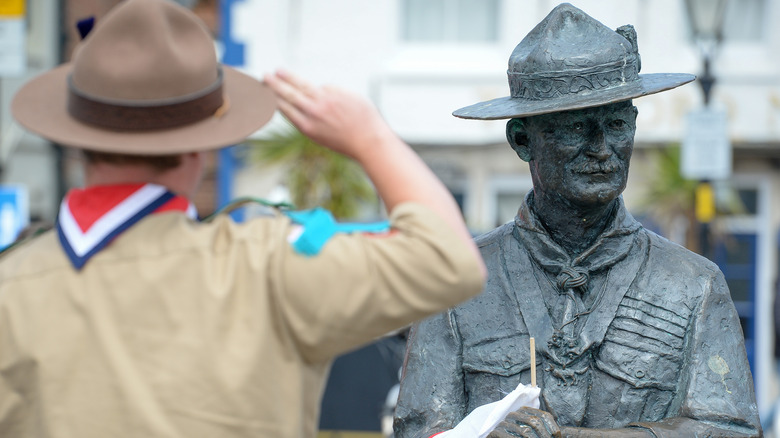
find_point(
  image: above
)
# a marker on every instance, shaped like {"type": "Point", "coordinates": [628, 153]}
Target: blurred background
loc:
{"type": "Point", "coordinates": [705, 171]}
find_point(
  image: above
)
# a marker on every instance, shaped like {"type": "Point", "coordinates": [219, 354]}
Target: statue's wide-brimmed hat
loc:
{"type": "Point", "coordinates": [145, 81]}
{"type": "Point", "coordinates": [571, 61]}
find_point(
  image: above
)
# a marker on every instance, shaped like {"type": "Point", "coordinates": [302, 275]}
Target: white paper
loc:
{"type": "Point", "coordinates": [481, 421]}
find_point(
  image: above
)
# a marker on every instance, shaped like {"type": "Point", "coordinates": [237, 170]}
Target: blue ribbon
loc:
{"type": "Point", "coordinates": [319, 226]}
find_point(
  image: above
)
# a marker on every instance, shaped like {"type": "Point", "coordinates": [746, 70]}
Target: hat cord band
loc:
{"type": "Point", "coordinates": [547, 85]}
{"type": "Point", "coordinates": [136, 115]}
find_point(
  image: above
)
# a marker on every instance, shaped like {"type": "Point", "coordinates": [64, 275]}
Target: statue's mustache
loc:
{"type": "Point", "coordinates": [597, 166]}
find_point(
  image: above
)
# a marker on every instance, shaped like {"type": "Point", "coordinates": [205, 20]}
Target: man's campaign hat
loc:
{"type": "Point", "coordinates": [571, 61]}
{"type": "Point", "coordinates": [145, 81]}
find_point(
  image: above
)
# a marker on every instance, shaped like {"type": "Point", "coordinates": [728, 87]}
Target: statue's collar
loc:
{"type": "Point", "coordinates": [610, 247]}
{"type": "Point", "coordinates": [530, 230]}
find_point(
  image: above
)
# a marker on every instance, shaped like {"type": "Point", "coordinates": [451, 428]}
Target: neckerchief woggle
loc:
{"type": "Point", "coordinates": [89, 219]}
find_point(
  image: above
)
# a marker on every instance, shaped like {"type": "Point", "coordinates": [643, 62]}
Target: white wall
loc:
{"type": "Point", "coordinates": [24, 158]}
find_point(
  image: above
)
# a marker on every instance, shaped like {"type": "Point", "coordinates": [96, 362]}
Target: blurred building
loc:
{"type": "Point", "coordinates": [420, 60]}
{"type": "Point", "coordinates": [47, 170]}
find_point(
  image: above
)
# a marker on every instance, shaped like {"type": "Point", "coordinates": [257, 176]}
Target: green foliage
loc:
{"type": "Point", "coordinates": [669, 194]}
{"type": "Point", "coordinates": [316, 176]}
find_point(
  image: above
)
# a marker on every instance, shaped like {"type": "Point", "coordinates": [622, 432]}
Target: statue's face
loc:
{"type": "Point", "coordinates": [583, 155]}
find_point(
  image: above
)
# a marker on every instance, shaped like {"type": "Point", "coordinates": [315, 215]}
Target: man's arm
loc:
{"type": "Point", "coordinates": [14, 373]}
{"type": "Point", "coordinates": [10, 410]}
{"type": "Point", "coordinates": [432, 397]}
{"type": "Point", "coordinates": [360, 287]}
{"type": "Point", "coordinates": [352, 126]}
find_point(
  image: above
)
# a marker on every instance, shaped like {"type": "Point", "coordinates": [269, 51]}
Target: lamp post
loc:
{"type": "Point", "coordinates": [706, 21]}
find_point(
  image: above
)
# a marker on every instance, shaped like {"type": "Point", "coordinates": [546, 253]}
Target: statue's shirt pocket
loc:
{"type": "Point", "coordinates": [643, 346]}
{"type": "Point", "coordinates": [493, 367]}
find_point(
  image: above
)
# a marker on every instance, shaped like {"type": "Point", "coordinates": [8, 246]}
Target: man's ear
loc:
{"type": "Point", "coordinates": [517, 136]}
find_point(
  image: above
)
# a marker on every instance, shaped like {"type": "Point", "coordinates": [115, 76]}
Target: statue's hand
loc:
{"type": "Point", "coordinates": [527, 422]}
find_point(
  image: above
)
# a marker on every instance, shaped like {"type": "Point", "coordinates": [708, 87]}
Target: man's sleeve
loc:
{"type": "Point", "coordinates": [12, 415]}
{"type": "Point", "coordinates": [364, 285]}
{"type": "Point", "coordinates": [10, 410]}
{"type": "Point", "coordinates": [432, 396]}
{"type": "Point", "coordinates": [716, 395]}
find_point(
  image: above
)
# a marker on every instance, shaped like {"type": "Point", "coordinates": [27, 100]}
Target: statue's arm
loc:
{"type": "Point", "coordinates": [715, 395]}
{"type": "Point", "coordinates": [530, 422]}
{"type": "Point", "coordinates": [432, 396]}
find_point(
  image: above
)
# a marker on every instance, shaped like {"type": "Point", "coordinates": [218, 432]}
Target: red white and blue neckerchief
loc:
{"type": "Point", "coordinates": [89, 219]}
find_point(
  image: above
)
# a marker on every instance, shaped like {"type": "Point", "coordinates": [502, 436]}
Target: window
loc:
{"type": "Point", "coordinates": [736, 257]}
{"type": "Point", "coordinates": [744, 20]}
{"type": "Point", "coordinates": [443, 21]}
{"type": "Point", "coordinates": [731, 202]}
{"type": "Point", "coordinates": [507, 204]}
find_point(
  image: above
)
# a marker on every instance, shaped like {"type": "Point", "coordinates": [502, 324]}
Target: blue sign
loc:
{"type": "Point", "coordinates": [14, 212]}
{"type": "Point", "coordinates": [233, 52]}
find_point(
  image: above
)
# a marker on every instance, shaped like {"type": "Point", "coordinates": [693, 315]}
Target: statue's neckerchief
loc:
{"type": "Point", "coordinates": [89, 219]}
{"type": "Point", "coordinates": [570, 277]}
{"type": "Point", "coordinates": [567, 343]}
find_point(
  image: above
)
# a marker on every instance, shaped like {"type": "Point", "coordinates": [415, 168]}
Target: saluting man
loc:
{"type": "Point", "coordinates": [133, 319]}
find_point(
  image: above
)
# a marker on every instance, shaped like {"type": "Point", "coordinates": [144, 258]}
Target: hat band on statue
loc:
{"type": "Point", "coordinates": [136, 115]}
{"type": "Point", "coordinates": [547, 85]}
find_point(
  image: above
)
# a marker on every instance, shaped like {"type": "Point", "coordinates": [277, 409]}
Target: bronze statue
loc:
{"type": "Point", "coordinates": [635, 335]}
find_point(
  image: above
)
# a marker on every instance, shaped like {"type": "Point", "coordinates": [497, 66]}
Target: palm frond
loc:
{"type": "Point", "coordinates": [316, 176]}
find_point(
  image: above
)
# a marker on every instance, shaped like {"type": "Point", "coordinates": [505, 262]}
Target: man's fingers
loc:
{"type": "Point", "coordinates": [296, 82]}
{"type": "Point", "coordinates": [292, 113]}
{"type": "Point", "coordinates": [286, 91]}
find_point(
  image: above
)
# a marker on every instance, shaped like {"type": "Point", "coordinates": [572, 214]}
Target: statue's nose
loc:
{"type": "Point", "coordinates": [597, 145]}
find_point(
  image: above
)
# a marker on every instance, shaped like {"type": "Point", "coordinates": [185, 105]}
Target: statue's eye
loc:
{"type": "Point", "coordinates": [617, 124]}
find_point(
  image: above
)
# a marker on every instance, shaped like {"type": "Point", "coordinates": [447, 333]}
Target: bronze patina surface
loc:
{"type": "Point", "coordinates": [635, 335]}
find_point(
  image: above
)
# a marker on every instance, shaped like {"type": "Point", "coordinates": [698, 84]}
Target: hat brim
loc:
{"type": "Point", "coordinates": [41, 107]}
{"type": "Point", "coordinates": [509, 107]}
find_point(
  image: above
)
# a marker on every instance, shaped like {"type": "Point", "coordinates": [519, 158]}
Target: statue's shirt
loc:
{"type": "Point", "coordinates": [655, 335]}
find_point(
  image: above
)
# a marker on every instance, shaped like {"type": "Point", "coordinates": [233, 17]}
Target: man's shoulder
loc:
{"type": "Point", "coordinates": [31, 256]}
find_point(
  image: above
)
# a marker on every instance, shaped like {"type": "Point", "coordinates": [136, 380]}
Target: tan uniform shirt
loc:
{"type": "Point", "coordinates": [184, 329]}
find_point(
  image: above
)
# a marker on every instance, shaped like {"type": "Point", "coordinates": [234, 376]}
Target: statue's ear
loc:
{"type": "Point", "coordinates": [517, 135]}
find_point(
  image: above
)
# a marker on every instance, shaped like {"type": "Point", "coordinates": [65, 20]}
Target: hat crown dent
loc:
{"type": "Point", "coordinates": [145, 50]}
{"type": "Point", "coordinates": [569, 38]}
